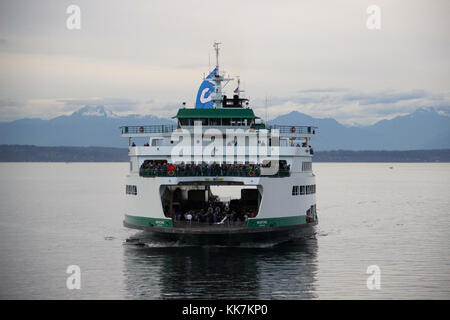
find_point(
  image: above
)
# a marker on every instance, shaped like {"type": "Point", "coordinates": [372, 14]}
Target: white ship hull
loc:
{"type": "Point", "coordinates": [281, 215]}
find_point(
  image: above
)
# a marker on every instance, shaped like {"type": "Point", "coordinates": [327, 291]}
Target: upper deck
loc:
{"type": "Point", "coordinates": [167, 130]}
{"type": "Point", "coordinates": [223, 119]}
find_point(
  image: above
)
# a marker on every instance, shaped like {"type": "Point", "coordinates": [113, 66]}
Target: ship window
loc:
{"type": "Point", "coordinates": [131, 189]}
{"type": "Point", "coordinates": [302, 189]}
{"type": "Point", "coordinates": [307, 166]}
{"type": "Point", "coordinates": [157, 142]}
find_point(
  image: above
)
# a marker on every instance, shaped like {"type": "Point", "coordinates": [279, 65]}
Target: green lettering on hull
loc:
{"type": "Point", "coordinates": [275, 222]}
{"type": "Point", "coordinates": [148, 222]}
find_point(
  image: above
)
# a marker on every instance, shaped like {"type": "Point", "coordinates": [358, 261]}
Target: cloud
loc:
{"type": "Point", "coordinates": [5, 103]}
{"type": "Point", "coordinates": [322, 90]}
{"type": "Point", "coordinates": [348, 106]}
{"type": "Point", "coordinates": [354, 107]}
{"type": "Point", "coordinates": [306, 54]}
{"type": "Point", "coordinates": [386, 97]}
{"type": "Point", "coordinates": [11, 110]}
{"type": "Point", "coordinates": [114, 104]}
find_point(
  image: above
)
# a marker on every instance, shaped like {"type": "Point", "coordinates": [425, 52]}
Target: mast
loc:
{"type": "Point", "coordinates": [238, 90]}
{"type": "Point", "coordinates": [218, 81]}
{"type": "Point", "coordinates": [216, 47]}
{"type": "Point", "coordinates": [266, 110]}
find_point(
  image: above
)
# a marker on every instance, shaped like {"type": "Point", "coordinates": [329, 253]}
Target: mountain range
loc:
{"type": "Point", "coordinates": [423, 129]}
{"type": "Point", "coordinates": [88, 126]}
{"type": "Point", "coordinates": [97, 126]}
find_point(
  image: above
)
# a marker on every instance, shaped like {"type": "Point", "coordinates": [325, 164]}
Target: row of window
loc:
{"type": "Point", "coordinates": [131, 189]}
{"type": "Point", "coordinates": [301, 190]}
{"type": "Point", "coordinates": [217, 122]}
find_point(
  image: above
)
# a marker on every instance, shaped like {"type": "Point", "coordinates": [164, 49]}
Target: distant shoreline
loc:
{"type": "Point", "coordinates": [29, 153]}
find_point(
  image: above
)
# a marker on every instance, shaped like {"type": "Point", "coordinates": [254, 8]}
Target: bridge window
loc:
{"type": "Point", "coordinates": [131, 189]}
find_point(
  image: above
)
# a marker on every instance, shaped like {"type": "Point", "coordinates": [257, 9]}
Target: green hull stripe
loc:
{"type": "Point", "coordinates": [149, 222]}
{"type": "Point", "coordinates": [275, 222]}
{"type": "Point", "coordinates": [251, 223]}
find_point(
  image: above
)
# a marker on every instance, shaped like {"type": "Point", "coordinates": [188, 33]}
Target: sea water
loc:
{"type": "Point", "coordinates": [383, 233]}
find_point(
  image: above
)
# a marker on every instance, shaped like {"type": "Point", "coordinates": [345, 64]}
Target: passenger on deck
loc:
{"type": "Point", "coordinates": [209, 214]}
{"type": "Point", "coordinates": [218, 214]}
{"type": "Point", "coordinates": [188, 216]}
{"type": "Point", "coordinates": [179, 215]}
{"type": "Point", "coordinates": [202, 216]}
{"type": "Point", "coordinates": [227, 213]}
{"type": "Point", "coordinates": [232, 217]}
{"type": "Point", "coordinates": [160, 168]}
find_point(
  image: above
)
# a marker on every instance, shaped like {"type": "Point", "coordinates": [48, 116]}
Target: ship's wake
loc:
{"type": "Point", "coordinates": [142, 240]}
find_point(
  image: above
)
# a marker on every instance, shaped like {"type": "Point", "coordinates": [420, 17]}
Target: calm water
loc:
{"type": "Point", "coordinates": [56, 215]}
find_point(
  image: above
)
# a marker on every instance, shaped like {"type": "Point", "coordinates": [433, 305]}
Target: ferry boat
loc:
{"type": "Point", "coordinates": [177, 172]}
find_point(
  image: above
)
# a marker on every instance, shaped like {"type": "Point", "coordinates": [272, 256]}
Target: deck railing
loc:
{"type": "Point", "coordinates": [151, 173]}
{"type": "Point", "coordinates": [293, 129]}
{"type": "Point", "coordinates": [164, 128]}
{"type": "Point", "coordinates": [171, 128]}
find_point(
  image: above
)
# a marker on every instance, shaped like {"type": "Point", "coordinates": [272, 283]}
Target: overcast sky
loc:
{"type": "Point", "coordinates": [147, 57]}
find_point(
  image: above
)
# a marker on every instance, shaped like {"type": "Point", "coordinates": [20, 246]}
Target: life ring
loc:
{"type": "Point", "coordinates": [251, 173]}
{"type": "Point", "coordinates": [292, 129]}
{"type": "Point", "coordinates": [141, 129]}
{"type": "Point", "coordinates": [171, 172]}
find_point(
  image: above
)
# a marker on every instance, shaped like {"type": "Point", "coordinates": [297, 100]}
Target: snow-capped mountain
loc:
{"type": "Point", "coordinates": [94, 111]}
